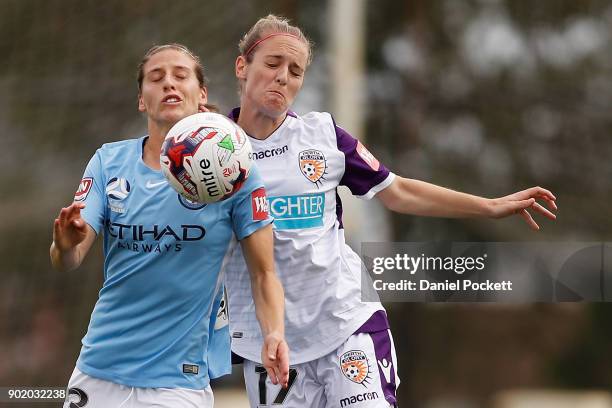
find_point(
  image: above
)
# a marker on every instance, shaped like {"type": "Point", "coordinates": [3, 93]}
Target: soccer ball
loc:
{"type": "Point", "coordinates": [206, 157]}
{"type": "Point", "coordinates": [352, 372]}
{"type": "Point", "coordinates": [309, 169]}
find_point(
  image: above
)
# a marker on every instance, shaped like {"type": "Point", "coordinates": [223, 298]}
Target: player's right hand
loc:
{"type": "Point", "coordinates": [519, 202]}
{"type": "Point", "coordinates": [275, 358]}
{"type": "Point", "coordinates": [69, 228]}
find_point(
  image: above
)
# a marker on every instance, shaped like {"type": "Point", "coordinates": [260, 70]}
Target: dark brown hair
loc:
{"type": "Point", "coordinates": [199, 68]}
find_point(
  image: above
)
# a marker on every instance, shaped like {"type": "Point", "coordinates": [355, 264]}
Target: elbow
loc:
{"type": "Point", "coordinates": [398, 197]}
{"type": "Point", "coordinates": [268, 293]}
{"type": "Point", "coordinates": [392, 205]}
{"type": "Point", "coordinates": [265, 279]}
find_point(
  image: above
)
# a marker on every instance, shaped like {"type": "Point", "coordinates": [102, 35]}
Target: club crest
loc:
{"type": "Point", "coordinates": [355, 366]}
{"type": "Point", "coordinates": [313, 165]}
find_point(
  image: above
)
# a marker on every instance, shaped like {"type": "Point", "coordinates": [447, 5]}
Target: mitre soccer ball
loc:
{"type": "Point", "coordinates": [206, 157]}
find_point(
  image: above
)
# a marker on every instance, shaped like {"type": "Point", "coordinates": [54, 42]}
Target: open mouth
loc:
{"type": "Point", "coordinates": [171, 99]}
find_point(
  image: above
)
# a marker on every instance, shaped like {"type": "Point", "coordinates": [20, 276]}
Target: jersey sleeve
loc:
{"type": "Point", "coordinates": [250, 209]}
{"type": "Point", "coordinates": [91, 192]}
{"type": "Point", "coordinates": [364, 175]}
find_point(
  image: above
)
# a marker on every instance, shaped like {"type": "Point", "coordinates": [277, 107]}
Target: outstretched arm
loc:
{"type": "Point", "coordinates": [269, 299]}
{"type": "Point", "coordinates": [416, 197]}
{"type": "Point", "coordinates": [72, 238]}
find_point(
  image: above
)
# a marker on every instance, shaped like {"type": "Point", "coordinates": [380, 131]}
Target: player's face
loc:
{"type": "Point", "coordinates": [170, 87]}
{"type": "Point", "coordinates": [273, 78]}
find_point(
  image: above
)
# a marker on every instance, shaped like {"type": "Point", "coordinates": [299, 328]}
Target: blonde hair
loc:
{"type": "Point", "coordinates": [271, 24]}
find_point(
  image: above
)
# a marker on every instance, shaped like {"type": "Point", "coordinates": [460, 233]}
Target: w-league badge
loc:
{"type": "Point", "coordinates": [83, 190]}
{"type": "Point", "coordinates": [355, 366]}
{"type": "Point", "coordinates": [313, 165]}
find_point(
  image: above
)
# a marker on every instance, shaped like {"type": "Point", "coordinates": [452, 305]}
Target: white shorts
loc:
{"type": "Point", "coordinates": [360, 373]}
{"type": "Point", "coordinates": [89, 392]}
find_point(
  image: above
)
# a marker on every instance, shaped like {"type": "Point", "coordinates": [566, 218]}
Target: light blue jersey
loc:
{"type": "Point", "coordinates": [219, 355]}
{"type": "Point", "coordinates": [153, 323]}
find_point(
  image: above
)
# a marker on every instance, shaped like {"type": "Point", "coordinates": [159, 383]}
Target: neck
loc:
{"type": "Point", "coordinates": [152, 147]}
{"type": "Point", "coordinates": [257, 124]}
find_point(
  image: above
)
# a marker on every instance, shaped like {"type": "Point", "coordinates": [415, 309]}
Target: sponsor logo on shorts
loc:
{"type": "Point", "coordinates": [313, 165]}
{"type": "Point", "coordinates": [73, 394]}
{"type": "Point", "coordinates": [367, 157]}
{"type": "Point", "coordinates": [366, 396]}
{"type": "Point", "coordinates": [275, 151]}
{"type": "Point", "coordinates": [83, 190]}
{"type": "Point", "coordinates": [298, 211]}
{"type": "Point", "coordinates": [259, 204]}
{"type": "Point", "coordinates": [356, 367]}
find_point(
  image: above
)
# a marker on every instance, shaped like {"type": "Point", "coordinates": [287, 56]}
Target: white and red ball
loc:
{"type": "Point", "coordinates": [206, 157]}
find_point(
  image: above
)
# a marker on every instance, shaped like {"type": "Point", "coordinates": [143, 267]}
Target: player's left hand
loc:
{"type": "Point", "coordinates": [275, 358]}
{"type": "Point", "coordinates": [519, 202]}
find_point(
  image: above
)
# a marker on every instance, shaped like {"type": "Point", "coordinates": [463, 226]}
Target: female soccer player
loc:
{"type": "Point", "coordinates": [341, 348]}
{"type": "Point", "coordinates": [150, 341]}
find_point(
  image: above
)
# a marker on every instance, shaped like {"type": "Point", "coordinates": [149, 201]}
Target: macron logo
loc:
{"type": "Point", "coordinates": [385, 367]}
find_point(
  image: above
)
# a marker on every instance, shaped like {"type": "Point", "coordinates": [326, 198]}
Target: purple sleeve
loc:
{"type": "Point", "coordinates": [363, 174]}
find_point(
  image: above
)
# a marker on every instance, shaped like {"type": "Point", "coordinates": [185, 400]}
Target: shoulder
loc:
{"type": "Point", "coordinates": [314, 118]}
{"type": "Point", "coordinates": [121, 147]}
{"type": "Point", "coordinates": [121, 144]}
{"type": "Point", "coordinates": [324, 124]}
{"type": "Point", "coordinates": [315, 124]}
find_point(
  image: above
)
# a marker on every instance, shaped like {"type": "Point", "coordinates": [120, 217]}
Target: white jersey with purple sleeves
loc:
{"type": "Point", "coordinates": [154, 322]}
{"type": "Point", "coordinates": [302, 164]}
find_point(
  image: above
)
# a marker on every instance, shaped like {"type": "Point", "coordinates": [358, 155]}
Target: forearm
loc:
{"type": "Point", "coordinates": [269, 299]}
{"type": "Point", "coordinates": [65, 260]}
{"type": "Point", "coordinates": [426, 199]}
